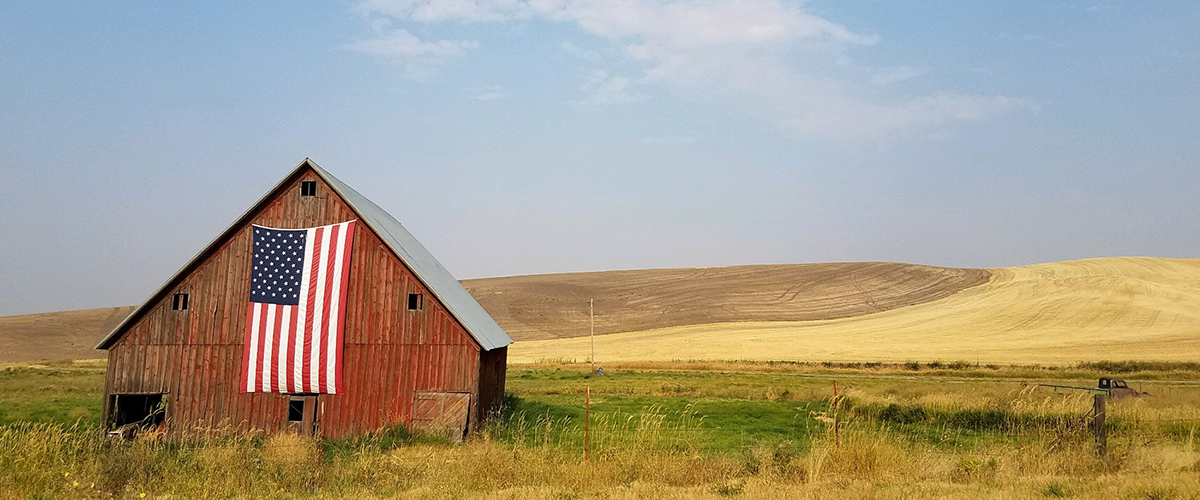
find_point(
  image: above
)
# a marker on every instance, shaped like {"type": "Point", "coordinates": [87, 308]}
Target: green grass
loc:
{"type": "Point", "coordinates": [716, 412]}
{"type": "Point", "coordinates": [657, 431]}
{"type": "Point", "coordinates": [57, 393]}
{"type": "Point", "coordinates": [681, 422]}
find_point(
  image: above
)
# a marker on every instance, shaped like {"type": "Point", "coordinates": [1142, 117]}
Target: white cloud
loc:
{"type": "Point", "coordinates": [573, 50]}
{"type": "Point", "coordinates": [844, 118]}
{"type": "Point", "coordinates": [432, 11]}
{"type": "Point", "coordinates": [888, 76]}
{"type": "Point", "coordinates": [771, 58]}
{"type": "Point", "coordinates": [602, 89]}
{"type": "Point", "coordinates": [488, 93]}
{"type": "Point", "coordinates": [420, 59]}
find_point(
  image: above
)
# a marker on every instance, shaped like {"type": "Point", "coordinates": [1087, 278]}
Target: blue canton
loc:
{"type": "Point", "coordinates": [278, 265]}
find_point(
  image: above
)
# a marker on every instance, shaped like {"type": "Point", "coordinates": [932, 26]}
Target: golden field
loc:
{"type": "Point", "coordinates": [1134, 308]}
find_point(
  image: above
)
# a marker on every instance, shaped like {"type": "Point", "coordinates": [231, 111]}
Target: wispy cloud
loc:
{"type": "Point", "coordinates": [419, 59]}
{"type": "Point", "coordinates": [602, 89]}
{"type": "Point", "coordinates": [889, 76]}
{"type": "Point", "coordinates": [772, 58]}
{"type": "Point", "coordinates": [488, 93]}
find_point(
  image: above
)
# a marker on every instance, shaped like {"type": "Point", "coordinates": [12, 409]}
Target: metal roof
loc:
{"type": "Point", "coordinates": [436, 278]}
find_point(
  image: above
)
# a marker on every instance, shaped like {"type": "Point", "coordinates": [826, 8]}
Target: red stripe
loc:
{"type": "Point", "coordinates": [290, 360]}
{"type": "Point", "coordinates": [246, 348]}
{"type": "Point", "coordinates": [262, 342]}
{"type": "Point", "coordinates": [306, 383]}
{"type": "Point", "coordinates": [273, 363]}
{"type": "Point", "coordinates": [330, 263]}
{"type": "Point", "coordinates": [341, 319]}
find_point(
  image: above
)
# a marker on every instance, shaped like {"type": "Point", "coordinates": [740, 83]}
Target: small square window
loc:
{"type": "Point", "coordinates": [179, 302]}
{"type": "Point", "coordinates": [416, 302]}
{"type": "Point", "coordinates": [308, 188]}
{"type": "Point", "coordinates": [296, 409]}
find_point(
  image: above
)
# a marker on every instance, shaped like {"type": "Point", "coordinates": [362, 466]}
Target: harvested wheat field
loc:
{"type": "Point", "coordinates": [556, 305]}
{"type": "Point", "coordinates": [1111, 308]}
{"type": "Point", "coordinates": [57, 335]}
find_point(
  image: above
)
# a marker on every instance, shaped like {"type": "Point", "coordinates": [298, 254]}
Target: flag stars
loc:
{"type": "Point", "coordinates": [276, 273]}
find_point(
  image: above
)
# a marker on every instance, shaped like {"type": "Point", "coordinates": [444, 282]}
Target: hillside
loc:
{"type": "Point", "coordinates": [1114, 308]}
{"type": "Point", "coordinates": [556, 305]}
{"type": "Point", "coordinates": [57, 335]}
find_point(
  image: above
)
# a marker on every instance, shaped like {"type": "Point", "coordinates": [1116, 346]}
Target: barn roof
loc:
{"type": "Point", "coordinates": [436, 278]}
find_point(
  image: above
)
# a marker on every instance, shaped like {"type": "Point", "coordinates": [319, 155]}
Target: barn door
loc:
{"type": "Point", "coordinates": [444, 413]}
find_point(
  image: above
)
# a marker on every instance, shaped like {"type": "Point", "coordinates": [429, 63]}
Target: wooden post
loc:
{"type": "Point", "coordinates": [592, 322]}
{"type": "Point", "coordinates": [587, 418]}
{"type": "Point", "coordinates": [320, 442]}
{"type": "Point", "coordinates": [1100, 412]}
{"type": "Point", "coordinates": [837, 436]}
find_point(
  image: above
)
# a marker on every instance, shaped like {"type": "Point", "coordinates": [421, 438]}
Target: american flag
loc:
{"type": "Point", "coordinates": [297, 309]}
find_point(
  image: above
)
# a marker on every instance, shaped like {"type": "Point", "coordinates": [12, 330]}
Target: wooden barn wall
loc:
{"type": "Point", "coordinates": [389, 354]}
{"type": "Point", "coordinates": [492, 367]}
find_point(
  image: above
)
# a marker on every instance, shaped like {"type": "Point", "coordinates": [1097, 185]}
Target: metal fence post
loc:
{"type": "Point", "coordinates": [1099, 413]}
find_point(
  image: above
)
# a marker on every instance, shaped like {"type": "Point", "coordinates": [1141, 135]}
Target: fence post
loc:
{"type": "Point", "coordinates": [587, 418]}
{"type": "Point", "coordinates": [837, 436]}
{"type": "Point", "coordinates": [1099, 412]}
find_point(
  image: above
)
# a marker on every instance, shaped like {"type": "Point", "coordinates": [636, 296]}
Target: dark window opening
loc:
{"type": "Point", "coordinates": [308, 188]}
{"type": "Point", "coordinates": [132, 412]}
{"type": "Point", "coordinates": [296, 409]}
{"type": "Point", "coordinates": [416, 301]}
{"type": "Point", "coordinates": [179, 302]}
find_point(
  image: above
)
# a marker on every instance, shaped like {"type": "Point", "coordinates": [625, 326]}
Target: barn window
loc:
{"type": "Point", "coordinates": [179, 302]}
{"type": "Point", "coordinates": [308, 188]}
{"type": "Point", "coordinates": [416, 302]}
{"type": "Point", "coordinates": [133, 412]}
{"type": "Point", "coordinates": [296, 409]}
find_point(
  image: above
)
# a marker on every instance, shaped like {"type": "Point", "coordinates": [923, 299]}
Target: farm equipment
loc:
{"type": "Point", "coordinates": [1112, 386]}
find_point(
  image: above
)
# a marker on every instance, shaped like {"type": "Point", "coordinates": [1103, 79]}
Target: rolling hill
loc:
{"type": "Point", "coordinates": [556, 305]}
{"type": "Point", "coordinates": [57, 335]}
{"type": "Point", "coordinates": [1109, 309]}
{"type": "Point", "coordinates": [1113, 308]}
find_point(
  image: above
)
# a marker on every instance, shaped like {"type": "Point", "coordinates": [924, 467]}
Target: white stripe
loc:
{"type": "Point", "coordinates": [251, 373]}
{"type": "Point", "coordinates": [318, 318]}
{"type": "Point", "coordinates": [302, 313]}
{"type": "Point", "coordinates": [334, 311]}
{"type": "Point", "coordinates": [280, 361]}
{"type": "Point", "coordinates": [268, 346]}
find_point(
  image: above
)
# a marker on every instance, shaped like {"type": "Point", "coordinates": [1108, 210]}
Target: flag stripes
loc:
{"type": "Point", "coordinates": [294, 332]}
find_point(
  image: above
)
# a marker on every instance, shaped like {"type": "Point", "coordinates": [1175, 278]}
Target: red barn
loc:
{"type": "Point", "coordinates": [417, 349]}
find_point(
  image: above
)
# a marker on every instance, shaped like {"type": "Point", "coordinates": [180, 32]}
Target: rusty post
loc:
{"type": "Point", "coordinates": [587, 418]}
{"type": "Point", "coordinates": [1099, 415]}
{"type": "Point", "coordinates": [320, 442]}
{"type": "Point", "coordinates": [837, 436]}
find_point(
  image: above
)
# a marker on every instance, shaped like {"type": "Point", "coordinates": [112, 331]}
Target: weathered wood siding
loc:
{"type": "Point", "coordinates": [493, 365]}
{"type": "Point", "coordinates": [390, 353]}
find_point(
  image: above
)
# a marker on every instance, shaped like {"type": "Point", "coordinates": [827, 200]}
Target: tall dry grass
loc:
{"type": "Point", "coordinates": [638, 455]}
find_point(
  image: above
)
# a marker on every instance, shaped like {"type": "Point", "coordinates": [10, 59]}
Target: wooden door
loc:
{"type": "Point", "coordinates": [444, 413]}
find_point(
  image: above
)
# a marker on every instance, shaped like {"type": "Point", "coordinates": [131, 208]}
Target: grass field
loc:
{"type": "Point", "coordinates": [666, 430]}
{"type": "Point", "coordinates": [1115, 308]}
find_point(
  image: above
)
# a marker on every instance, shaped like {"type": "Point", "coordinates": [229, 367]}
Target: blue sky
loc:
{"type": "Point", "coordinates": [518, 137]}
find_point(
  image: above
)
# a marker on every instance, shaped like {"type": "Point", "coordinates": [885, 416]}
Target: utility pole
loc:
{"type": "Point", "coordinates": [592, 318]}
